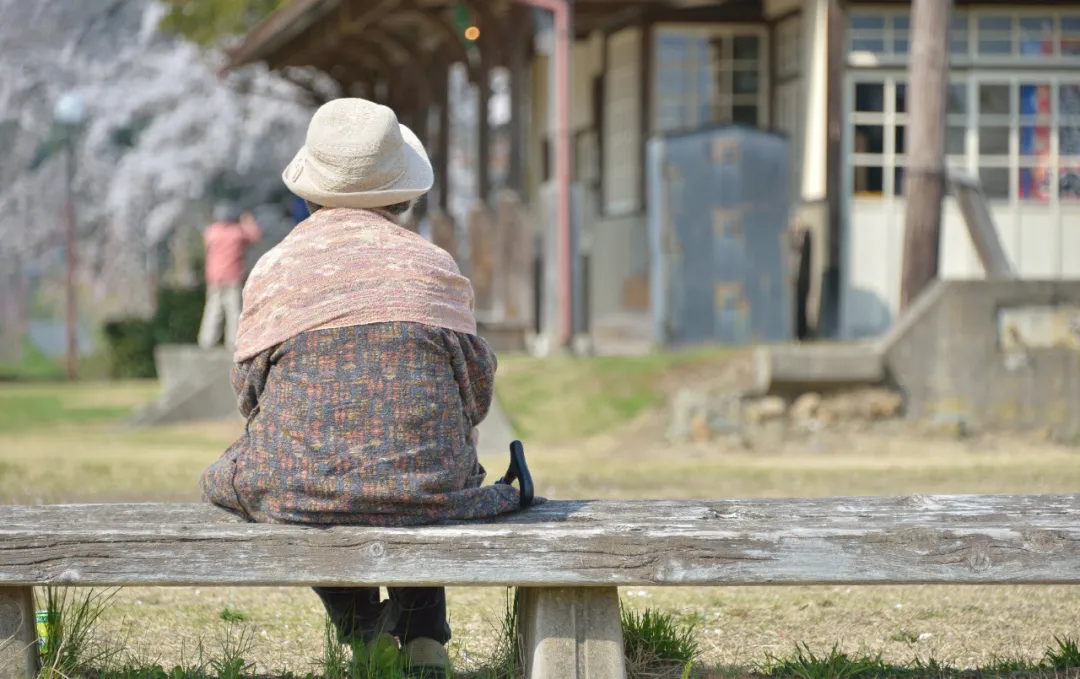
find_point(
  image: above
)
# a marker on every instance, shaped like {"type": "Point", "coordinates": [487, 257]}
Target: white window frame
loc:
{"type": "Point", "coordinates": [728, 31]}
{"type": "Point", "coordinates": [971, 160]}
{"type": "Point", "coordinates": [972, 56]}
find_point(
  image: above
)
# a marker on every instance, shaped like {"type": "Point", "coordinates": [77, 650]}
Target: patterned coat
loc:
{"type": "Point", "coordinates": [363, 425]}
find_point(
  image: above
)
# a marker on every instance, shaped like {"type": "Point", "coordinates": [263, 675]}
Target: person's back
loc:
{"type": "Point", "coordinates": [361, 375]}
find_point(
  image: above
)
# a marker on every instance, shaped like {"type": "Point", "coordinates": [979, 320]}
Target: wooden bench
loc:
{"type": "Point", "coordinates": [569, 557]}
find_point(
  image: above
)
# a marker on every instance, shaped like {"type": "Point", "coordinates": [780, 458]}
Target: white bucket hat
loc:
{"type": "Point", "coordinates": [358, 155]}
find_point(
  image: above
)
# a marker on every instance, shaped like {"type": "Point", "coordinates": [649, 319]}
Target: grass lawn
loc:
{"type": "Point", "coordinates": [68, 444]}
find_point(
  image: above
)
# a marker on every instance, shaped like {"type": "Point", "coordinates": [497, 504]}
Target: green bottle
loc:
{"type": "Point", "coordinates": [44, 620]}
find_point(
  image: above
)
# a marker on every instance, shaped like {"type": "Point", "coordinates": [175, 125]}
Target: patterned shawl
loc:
{"type": "Point", "coordinates": [343, 267]}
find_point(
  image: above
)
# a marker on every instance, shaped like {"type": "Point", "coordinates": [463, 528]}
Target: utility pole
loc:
{"type": "Point", "coordinates": [928, 77]}
{"type": "Point", "coordinates": [69, 246]}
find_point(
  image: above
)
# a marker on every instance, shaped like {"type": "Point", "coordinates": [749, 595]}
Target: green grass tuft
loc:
{"type": "Point", "coordinates": [230, 614]}
{"type": "Point", "coordinates": [1065, 656]}
{"type": "Point", "coordinates": [657, 644]}
{"type": "Point", "coordinates": [71, 645]}
{"type": "Point", "coordinates": [805, 664]}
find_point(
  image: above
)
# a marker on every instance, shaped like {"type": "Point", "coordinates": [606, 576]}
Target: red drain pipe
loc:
{"type": "Point", "coordinates": [561, 11]}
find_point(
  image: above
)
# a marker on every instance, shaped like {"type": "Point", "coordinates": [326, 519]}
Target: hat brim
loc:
{"type": "Point", "coordinates": [415, 182]}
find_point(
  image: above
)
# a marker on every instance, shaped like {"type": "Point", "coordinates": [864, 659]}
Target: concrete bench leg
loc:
{"type": "Point", "coordinates": [18, 635]}
{"type": "Point", "coordinates": [571, 633]}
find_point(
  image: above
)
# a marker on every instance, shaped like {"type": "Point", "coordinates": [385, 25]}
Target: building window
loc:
{"type": "Point", "coordinates": [710, 75]}
{"type": "Point", "coordinates": [883, 36]}
{"type": "Point", "coordinates": [1007, 129]}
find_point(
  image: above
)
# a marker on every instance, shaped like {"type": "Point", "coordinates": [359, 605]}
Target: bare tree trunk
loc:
{"type": "Point", "coordinates": [928, 76]}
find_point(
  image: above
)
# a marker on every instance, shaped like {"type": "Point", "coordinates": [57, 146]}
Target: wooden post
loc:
{"type": "Point", "coordinates": [483, 144]}
{"type": "Point", "coordinates": [928, 76]}
{"type": "Point", "coordinates": [442, 173]}
{"type": "Point", "coordinates": [18, 636]}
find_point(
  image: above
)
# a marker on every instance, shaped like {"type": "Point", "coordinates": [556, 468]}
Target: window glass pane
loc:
{"type": "Point", "coordinates": [1036, 36]}
{"type": "Point", "coordinates": [1036, 25]}
{"type": "Point", "coordinates": [900, 46]}
{"type": "Point", "coordinates": [1035, 183]}
{"type": "Point", "coordinates": [867, 21]}
{"type": "Point", "coordinates": [994, 99]}
{"type": "Point", "coordinates": [1070, 24]}
{"type": "Point", "coordinates": [957, 101]}
{"type": "Point", "coordinates": [958, 46]}
{"type": "Point", "coordinates": [995, 46]}
{"type": "Point", "coordinates": [959, 23]}
{"type": "Point", "coordinates": [898, 139]}
{"type": "Point", "coordinates": [995, 23]}
{"type": "Point", "coordinates": [869, 180]}
{"type": "Point", "coordinates": [746, 82]}
{"type": "Point", "coordinates": [995, 182]}
{"type": "Point", "coordinates": [746, 47]}
{"type": "Point", "coordinates": [1034, 141]}
{"type": "Point", "coordinates": [955, 141]}
{"type": "Point", "coordinates": [875, 45]}
{"type": "Point", "coordinates": [901, 22]}
{"type": "Point", "coordinates": [869, 97]}
{"type": "Point", "coordinates": [869, 139]}
{"type": "Point", "coordinates": [898, 182]}
{"type": "Point", "coordinates": [671, 47]}
{"type": "Point", "coordinates": [1069, 100]}
{"type": "Point", "coordinates": [994, 141]}
{"type": "Point", "coordinates": [901, 97]}
{"type": "Point", "coordinates": [746, 114]}
{"type": "Point", "coordinates": [1035, 99]}
{"type": "Point", "coordinates": [1070, 46]}
{"type": "Point", "coordinates": [1069, 139]}
{"type": "Point", "coordinates": [1069, 182]}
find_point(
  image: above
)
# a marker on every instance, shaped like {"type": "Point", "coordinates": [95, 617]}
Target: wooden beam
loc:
{"type": "Point", "coordinates": [451, 42]}
{"type": "Point", "coordinates": [964, 539]}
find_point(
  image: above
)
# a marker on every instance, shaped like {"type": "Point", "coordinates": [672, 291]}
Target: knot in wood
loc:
{"type": "Point", "coordinates": [377, 550]}
{"type": "Point", "coordinates": [979, 561]}
{"type": "Point", "coordinates": [918, 500]}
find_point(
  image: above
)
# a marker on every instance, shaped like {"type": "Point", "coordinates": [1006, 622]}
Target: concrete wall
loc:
{"type": "Point", "coordinates": [997, 354]}
{"type": "Point", "coordinates": [1041, 243]}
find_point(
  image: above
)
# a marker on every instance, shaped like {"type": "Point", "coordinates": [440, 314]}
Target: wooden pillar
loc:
{"type": "Point", "coordinates": [483, 133]}
{"type": "Point", "coordinates": [442, 169]}
{"type": "Point", "coordinates": [517, 48]}
{"type": "Point", "coordinates": [928, 76]}
{"type": "Point", "coordinates": [18, 635]}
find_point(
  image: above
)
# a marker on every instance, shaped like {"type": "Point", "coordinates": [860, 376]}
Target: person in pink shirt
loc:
{"type": "Point", "coordinates": [227, 240]}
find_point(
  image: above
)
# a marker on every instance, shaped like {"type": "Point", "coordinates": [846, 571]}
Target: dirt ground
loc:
{"type": "Point", "coordinates": [82, 461]}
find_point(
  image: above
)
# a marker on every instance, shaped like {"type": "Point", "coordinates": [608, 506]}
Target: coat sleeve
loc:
{"type": "Point", "coordinates": [477, 376]}
{"type": "Point", "coordinates": [249, 380]}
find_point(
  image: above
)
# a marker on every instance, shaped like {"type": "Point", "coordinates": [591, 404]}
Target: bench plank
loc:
{"type": "Point", "coordinates": [919, 539]}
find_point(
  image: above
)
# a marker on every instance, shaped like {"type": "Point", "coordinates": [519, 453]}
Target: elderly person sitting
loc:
{"type": "Point", "coordinates": [360, 374]}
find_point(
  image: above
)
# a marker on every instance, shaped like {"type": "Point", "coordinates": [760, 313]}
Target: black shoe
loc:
{"type": "Point", "coordinates": [520, 471]}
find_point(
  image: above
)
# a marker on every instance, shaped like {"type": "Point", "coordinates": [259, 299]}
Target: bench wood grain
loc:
{"type": "Point", "coordinates": [922, 539]}
{"type": "Point", "coordinates": [568, 557]}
